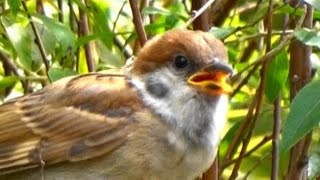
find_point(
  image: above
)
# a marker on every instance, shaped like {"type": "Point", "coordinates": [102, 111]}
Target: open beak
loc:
{"type": "Point", "coordinates": [212, 80]}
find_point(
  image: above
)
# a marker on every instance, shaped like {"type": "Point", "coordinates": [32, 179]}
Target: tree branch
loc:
{"type": "Point", "coordinates": [137, 21]}
{"type": "Point", "coordinates": [37, 38]}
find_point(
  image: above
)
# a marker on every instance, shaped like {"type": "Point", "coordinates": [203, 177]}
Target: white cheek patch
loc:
{"type": "Point", "coordinates": [187, 112]}
{"type": "Point", "coordinates": [161, 106]}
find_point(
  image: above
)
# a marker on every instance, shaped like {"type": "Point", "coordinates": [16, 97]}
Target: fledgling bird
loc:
{"type": "Point", "coordinates": [161, 120]}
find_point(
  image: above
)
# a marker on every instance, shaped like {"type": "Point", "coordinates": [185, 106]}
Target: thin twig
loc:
{"type": "Point", "coordinates": [257, 35]}
{"type": "Point", "coordinates": [72, 17]}
{"type": "Point", "coordinates": [37, 38]}
{"type": "Point", "coordinates": [60, 13]}
{"type": "Point", "coordinates": [6, 60]}
{"type": "Point", "coordinates": [268, 56]}
{"type": "Point", "coordinates": [198, 13]}
{"type": "Point", "coordinates": [137, 21]}
{"type": "Point", "coordinates": [275, 138]}
{"type": "Point", "coordinates": [116, 40]}
{"type": "Point", "coordinates": [239, 136]}
{"type": "Point", "coordinates": [260, 94]}
{"type": "Point", "coordinates": [265, 140]}
{"type": "Point", "coordinates": [118, 16]}
{"type": "Point", "coordinates": [84, 31]}
{"type": "Point", "coordinates": [252, 126]}
{"type": "Point", "coordinates": [277, 120]}
{"type": "Point", "coordinates": [124, 49]}
{"type": "Point", "coordinates": [244, 81]}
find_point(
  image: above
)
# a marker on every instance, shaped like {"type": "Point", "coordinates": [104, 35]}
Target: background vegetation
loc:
{"type": "Point", "coordinates": [273, 46]}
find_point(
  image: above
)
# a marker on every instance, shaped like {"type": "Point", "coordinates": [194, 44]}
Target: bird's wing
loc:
{"type": "Point", "coordinates": [70, 120]}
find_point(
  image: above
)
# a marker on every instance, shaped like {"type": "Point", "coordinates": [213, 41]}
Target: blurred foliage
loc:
{"type": "Point", "coordinates": [113, 39]}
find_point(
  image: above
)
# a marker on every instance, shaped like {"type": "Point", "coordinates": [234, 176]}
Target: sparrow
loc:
{"type": "Point", "coordinates": [161, 119]}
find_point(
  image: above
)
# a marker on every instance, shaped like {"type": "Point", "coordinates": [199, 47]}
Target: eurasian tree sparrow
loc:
{"type": "Point", "coordinates": [161, 120]}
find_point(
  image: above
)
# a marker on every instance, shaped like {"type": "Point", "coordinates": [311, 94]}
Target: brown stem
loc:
{"type": "Point", "coordinates": [277, 120]}
{"type": "Point", "coordinates": [72, 16]}
{"type": "Point", "coordinates": [200, 23]}
{"type": "Point", "coordinates": [60, 13]}
{"type": "Point", "coordinates": [39, 7]}
{"type": "Point", "coordinates": [37, 38]}
{"type": "Point", "coordinates": [197, 13]}
{"type": "Point", "coordinates": [84, 31]}
{"type": "Point", "coordinates": [137, 21]}
{"type": "Point", "coordinates": [220, 11]}
{"type": "Point", "coordinates": [300, 75]}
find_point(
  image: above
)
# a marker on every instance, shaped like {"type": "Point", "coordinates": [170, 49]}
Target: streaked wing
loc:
{"type": "Point", "coordinates": [71, 120]}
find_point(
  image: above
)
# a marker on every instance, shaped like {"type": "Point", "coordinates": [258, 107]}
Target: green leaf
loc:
{"type": "Point", "coordinates": [58, 73]}
{"type": "Point", "coordinates": [304, 115]}
{"type": "Point", "coordinates": [101, 18]}
{"type": "Point", "coordinates": [308, 37]}
{"type": "Point", "coordinates": [295, 11]}
{"type": "Point", "coordinates": [14, 5]}
{"type": "Point", "coordinates": [8, 81]}
{"type": "Point", "coordinates": [314, 3]}
{"type": "Point", "coordinates": [107, 57]}
{"type": "Point", "coordinates": [47, 38]}
{"type": "Point", "coordinates": [22, 40]}
{"type": "Point", "coordinates": [156, 10]}
{"type": "Point", "coordinates": [63, 34]}
{"type": "Point", "coordinates": [277, 74]}
{"type": "Point", "coordinates": [222, 33]}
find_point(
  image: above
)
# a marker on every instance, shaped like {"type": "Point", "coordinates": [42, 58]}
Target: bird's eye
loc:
{"type": "Point", "coordinates": [181, 62]}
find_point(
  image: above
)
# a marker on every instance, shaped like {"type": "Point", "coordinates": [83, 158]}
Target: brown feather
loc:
{"type": "Point", "coordinates": [47, 126]}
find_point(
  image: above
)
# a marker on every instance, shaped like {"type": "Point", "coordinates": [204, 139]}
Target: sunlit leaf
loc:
{"type": "Point", "coordinates": [63, 34]}
{"type": "Point", "coordinates": [304, 115]}
{"type": "Point", "coordinates": [58, 73]}
{"type": "Point", "coordinates": [277, 74]}
{"type": "Point", "coordinates": [308, 37]}
{"type": "Point", "coordinates": [14, 5]}
{"type": "Point", "coordinates": [22, 40]}
{"type": "Point", "coordinates": [156, 10]}
{"type": "Point", "coordinates": [222, 33]}
{"type": "Point", "coordinates": [287, 9]}
{"type": "Point", "coordinates": [101, 17]}
{"type": "Point", "coordinates": [8, 81]}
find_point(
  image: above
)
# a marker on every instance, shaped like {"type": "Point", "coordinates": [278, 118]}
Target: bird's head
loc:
{"type": "Point", "coordinates": [193, 58]}
{"type": "Point", "coordinates": [182, 76]}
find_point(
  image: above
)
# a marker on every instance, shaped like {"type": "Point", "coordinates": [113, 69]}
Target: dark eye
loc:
{"type": "Point", "coordinates": [181, 62]}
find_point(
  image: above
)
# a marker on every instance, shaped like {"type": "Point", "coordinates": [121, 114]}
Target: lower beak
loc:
{"type": "Point", "coordinates": [212, 80]}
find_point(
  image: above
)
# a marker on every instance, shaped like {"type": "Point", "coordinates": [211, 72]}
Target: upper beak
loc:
{"type": "Point", "coordinates": [212, 79]}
